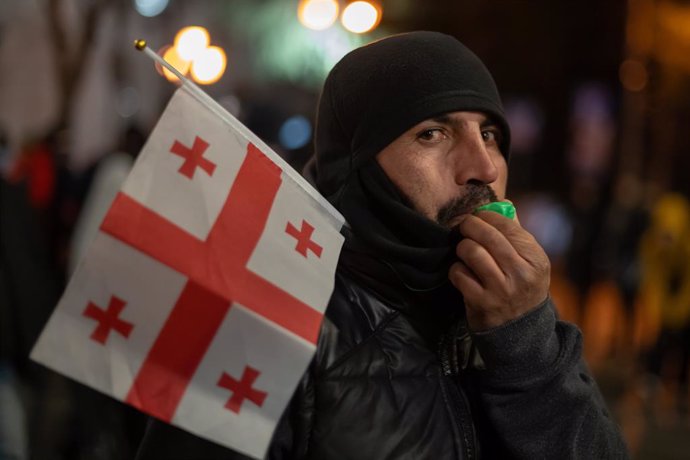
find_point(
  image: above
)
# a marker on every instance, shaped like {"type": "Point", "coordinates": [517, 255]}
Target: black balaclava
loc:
{"type": "Point", "coordinates": [373, 95]}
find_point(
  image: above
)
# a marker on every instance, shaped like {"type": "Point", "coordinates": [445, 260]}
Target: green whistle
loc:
{"type": "Point", "coordinates": [501, 207]}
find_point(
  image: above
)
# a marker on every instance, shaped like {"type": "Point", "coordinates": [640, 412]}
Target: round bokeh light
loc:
{"type": "Point", "coordinates": [209, 65]}
{"type": "Point", "coordinates": [191, 41]}
{"type": "Point", "coordinates": [360, 17]}
{"type": "Point", "coordinates": [317, 14]}
{"type": "Point", "coordinates": [150, 8]}
{"type": "Point", "coordinates": [295, 133]}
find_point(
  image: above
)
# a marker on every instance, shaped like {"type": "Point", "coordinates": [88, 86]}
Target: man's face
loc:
{"type": "Point", "coordinates": [447, 166]}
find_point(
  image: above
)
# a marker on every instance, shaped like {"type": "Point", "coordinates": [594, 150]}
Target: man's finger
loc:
{"type": "Point", "coordinates": [525, 245]}
{"type": "Point", "coordinates": [482, 263]}
{"type": "Point", "coordinates": [465, 280]}
{"type": "Point", "coordinates": [491, 238]}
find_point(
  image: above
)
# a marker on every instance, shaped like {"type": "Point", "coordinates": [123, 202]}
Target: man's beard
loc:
{"type": "Point", "coordinates": [475, 196]}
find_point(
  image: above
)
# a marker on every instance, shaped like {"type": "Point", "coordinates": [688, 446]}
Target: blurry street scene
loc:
{"type": "Point", "coordinates": [597, 95]}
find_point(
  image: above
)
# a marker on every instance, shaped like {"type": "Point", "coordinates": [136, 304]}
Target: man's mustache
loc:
{"type": "Point", "coordinates": [475, 196]}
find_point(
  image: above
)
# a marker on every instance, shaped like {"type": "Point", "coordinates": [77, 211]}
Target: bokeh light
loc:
{"type": "Point", "coordinates": [174, 59]}
{"type": "Point", "coordinates": [295, 133]}
{"type": "Point", "coordinates": [209, 65]}
{"type": "Point", "coordinates": [190, 41]}
{"type": "Point", "coordinates": [526, 120]}
{"type": "Point", "coordinates": [150, 8]}
{"type": "Point", "coordinates": [360, 17]}
{"type": "Point", "coordinates": [633, 75]}
{"type": "Point", "coordinates": [317, 14]}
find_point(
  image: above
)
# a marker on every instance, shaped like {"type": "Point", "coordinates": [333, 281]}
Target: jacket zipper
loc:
{"type": "Point", "coordinates": [455, 353]}
{"type": "Point", "coordinates": [462, 415]}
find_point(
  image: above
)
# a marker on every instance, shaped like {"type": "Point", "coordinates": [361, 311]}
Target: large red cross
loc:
{"type": "Point", "coordinates": [193, 157]}
{"type": "Point", "coordinates": [216, 268]}
{"type": "Point", "coordinates": [303, 237]}
{"type": "Point", "coordinates": [108, 319]}
{"type": "Point", "coordinates": [242, 389]}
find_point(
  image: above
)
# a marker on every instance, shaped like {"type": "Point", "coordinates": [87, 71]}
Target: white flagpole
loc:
{"type": "Point", "coordinates": [216, 108]}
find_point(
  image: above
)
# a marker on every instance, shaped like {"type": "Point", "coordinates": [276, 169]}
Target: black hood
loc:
{"type": "Point", "coordinates": [373, 95]}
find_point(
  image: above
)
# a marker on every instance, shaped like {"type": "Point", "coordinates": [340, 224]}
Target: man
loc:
{"type": "Point", "coordinates": [440, 341]}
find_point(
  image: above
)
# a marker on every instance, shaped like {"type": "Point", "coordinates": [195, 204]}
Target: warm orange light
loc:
{"type": "Point", "coordinates": [182, 65]}
{"type": "Point", "coordinates": [190, 41]}
{"type": "Point", "coordinates": [360, 17]}
{"type": "Point", "coordinates": [633, 75]}
{"type": "Point", "coordinates": [317, 14]}
{"type": "Point", "coordinates": [209, 65]}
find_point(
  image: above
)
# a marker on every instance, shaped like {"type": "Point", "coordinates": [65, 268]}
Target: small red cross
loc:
{"type": "Point", "coordinates": [108, 319]}
{"type": "Point", "coordinates": [303, 236]}
{"type": "Point", "coordinates": [242, 390]}
{"type": "Point", "coordinates": [193, 157]}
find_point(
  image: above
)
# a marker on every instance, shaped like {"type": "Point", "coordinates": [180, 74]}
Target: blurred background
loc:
{"type": "Point", "coordinates": [597, 94]}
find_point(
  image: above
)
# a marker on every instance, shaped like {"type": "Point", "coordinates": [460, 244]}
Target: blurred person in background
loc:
{"type": "Point", "coordinates": [665, 293]}
{"type": "Point", "coordinates": [35, 165]}
{"type": "Point", "coordinates": [29, 286]}
{"type": "Point", "coordinates": [54, 191]}
{"type": "Point", "coordinates": [56, 417]}
{"type": "Point", "coordinates": [616, 255]}
{"type": "Point", "coordinates": [440, 340]}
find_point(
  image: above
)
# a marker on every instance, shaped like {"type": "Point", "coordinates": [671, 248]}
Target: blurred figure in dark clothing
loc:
{"type": "Point", "coordinates": [13, 429]}
{"type": "Point", "coordinates": [54, 192]}
{"type": "Point", "coordinates": [616, 255]}
{"type": "Point", "coordinates": [624, 225]}
{"type": "Point", "coordinates": [28, 285]}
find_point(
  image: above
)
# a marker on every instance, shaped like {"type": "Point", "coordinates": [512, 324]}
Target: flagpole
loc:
{"type": "Point", "coordinates": [141, 46]}
{"type": "Point", "coordinates": [216, 108]}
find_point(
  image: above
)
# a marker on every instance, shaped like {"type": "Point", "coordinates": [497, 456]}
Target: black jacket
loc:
{"type": "Point", "coordinates": [393, 379]}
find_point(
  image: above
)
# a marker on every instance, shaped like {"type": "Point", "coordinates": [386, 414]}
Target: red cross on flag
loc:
{"type": "Point", "coordinates": [200, 299]}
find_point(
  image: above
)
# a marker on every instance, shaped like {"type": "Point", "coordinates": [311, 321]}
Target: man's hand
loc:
{"type": "Point", "coordinates": [502, 273]}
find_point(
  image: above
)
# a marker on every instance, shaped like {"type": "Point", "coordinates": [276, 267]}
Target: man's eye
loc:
{"type": "Point", "coordinates": [491, 135]}
{"type": "Point", "coordinates": [431, 135]}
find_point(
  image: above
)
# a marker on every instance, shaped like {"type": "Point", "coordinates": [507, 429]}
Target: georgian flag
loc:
{"type": "Point", "coordinates": [200, 299]}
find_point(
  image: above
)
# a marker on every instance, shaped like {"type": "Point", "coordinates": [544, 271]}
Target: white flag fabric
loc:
{"type": "Point", "coordinates": [200, 299]}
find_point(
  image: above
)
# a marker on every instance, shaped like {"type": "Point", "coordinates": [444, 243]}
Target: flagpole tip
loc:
{"type": "Point", "coordinates": [140, 44]}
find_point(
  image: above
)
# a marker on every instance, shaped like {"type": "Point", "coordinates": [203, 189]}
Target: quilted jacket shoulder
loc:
{"type": "Point", "coordinates": [377, 385]}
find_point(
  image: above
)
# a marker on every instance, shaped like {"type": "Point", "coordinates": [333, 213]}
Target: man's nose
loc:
{"type": "Point", "coordinates": [473, 161]}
